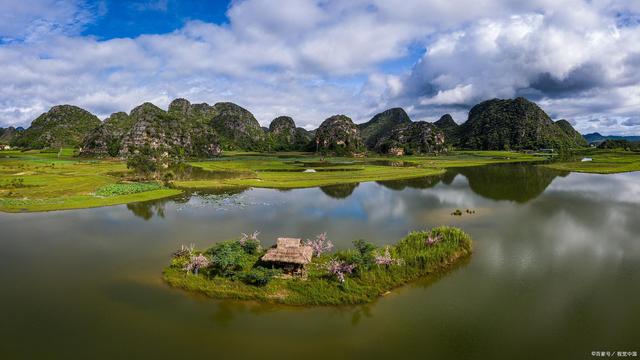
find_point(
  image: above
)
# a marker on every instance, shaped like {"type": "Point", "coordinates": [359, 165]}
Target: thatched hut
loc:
{"type": "Point", "coordinates": [289, 254]}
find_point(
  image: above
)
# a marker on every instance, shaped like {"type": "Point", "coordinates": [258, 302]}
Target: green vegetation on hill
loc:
{"type": "Point", "coordinates": [106, 139]}
{"type": "Point", "coordinates": [627, 145]}
{"type": "Point", "coordinates": [381, 124]}
{"type": "Point", "coordinates": [62, 126]}
{"type": "Point", "coordinates": [572, 133]}
{"type": "Point", "coordinates": [204, 131]}
{"type": "Point", "coordinates": [8, 135]}
{"type": "Point", "coordinates": [450, 128]}
{"type": "Point", "coordinates": [338, 135]}
{"type": "Point", "coordinates": [516, 124]}
{"type": "Point", "coordinates": [237, 128]}
{"type": "Point", "coordinates": [415, 138]}
{"type": "Point", "coordinates": [233, 269]}
{"type": "Point", "coordinates": [283, 135]}
{"type": "Point", "coordinates": [192, 130]}
{"type": "Point", "coordinates": [169, 132]}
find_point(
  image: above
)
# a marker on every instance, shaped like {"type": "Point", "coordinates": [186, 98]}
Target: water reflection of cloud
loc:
{"type": "Point", "coordinates": [540, 237]}
{"type": "Point", "coordinates": [618, 187]}
{"type": "Point", "coordinates": [453, 197]}
{"type": "Point", "coordinates": [382, 204]}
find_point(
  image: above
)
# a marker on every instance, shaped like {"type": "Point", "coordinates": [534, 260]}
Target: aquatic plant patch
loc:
{"type": "Point", "coordinates": [126, 189]}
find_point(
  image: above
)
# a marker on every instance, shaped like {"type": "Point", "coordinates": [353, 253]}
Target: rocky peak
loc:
{"type": "Point", "coordinates": [171, 130]}
{"type": "Point", "coordinates": [445, 121]}
{"type": "Point", "coordinates": [62, 125]}
{"type": "Point", "coordinates": [396, 115]}
{"type": "Point", "coordinates": [381, 124]}
{"type": "Point", "coordinates": [501, 124]}
{"type": "Point", "coordinates": [106, 140]}
{"type": "Point", "coordinates": [284, 136]}
{"type": "Point", "coordinates": [282, 124]}
{"type": "Point", "coordinates": [418, 137]}
{"type": "Point", "coordinates": [7, 135]}
{"type": "Point", "coordinates": [450, 129]}
{"type": "Point", "coordinates": [338, 134]}
{"type": "Point", "coordinates": [237, 127]}
{"type": "Point", "coordinates": [145, 108]}
{"type": "Point", "coordinates": [180, 107]}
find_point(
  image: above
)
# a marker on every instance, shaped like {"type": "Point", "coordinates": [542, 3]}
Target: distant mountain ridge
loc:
{"type": "Point", "coordinates": [597, 137]}
{"type": "Point", "coordinates": [7, 135]}
{"type": "Point", "coordinates": [203, 130]}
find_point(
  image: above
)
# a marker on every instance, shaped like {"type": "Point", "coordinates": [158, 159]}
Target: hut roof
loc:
{"type": "Point", "coordinates": [289, 250]}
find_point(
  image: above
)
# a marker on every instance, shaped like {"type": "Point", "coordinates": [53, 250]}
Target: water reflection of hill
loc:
{"type": "Point", "coordinates": [340, 191]}
{"type": "Point", "coordinates": [148, 209]}
{"type": "Point", "coordinates": [415, 183]}
{"type": "Point", "coordinates": [515, 182]}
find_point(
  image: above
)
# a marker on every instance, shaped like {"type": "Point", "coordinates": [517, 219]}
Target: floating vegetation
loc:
{"type": "Point", "coordinates": [223, 201]}
{"type": "Point", "coordinates": [458, 212]}
{"type": "Point", "coordinates": [126, 189]}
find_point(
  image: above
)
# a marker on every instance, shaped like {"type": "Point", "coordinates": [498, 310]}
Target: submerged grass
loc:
{"type": "Point", "coordinates": [420, 254]}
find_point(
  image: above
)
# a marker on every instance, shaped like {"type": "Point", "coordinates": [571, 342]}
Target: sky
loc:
{"type": "Point", "coordinates": [310, 59]}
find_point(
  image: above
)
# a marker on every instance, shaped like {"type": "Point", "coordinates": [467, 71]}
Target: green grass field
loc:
{"type": "Point", "coordinates": [603, 162]}
{"type": "Point", "coordinates": [57, 180]}
{"type": "Point", "coordinates": [44, 181]}
{"type": "Point", "coordinates": [285, 171]}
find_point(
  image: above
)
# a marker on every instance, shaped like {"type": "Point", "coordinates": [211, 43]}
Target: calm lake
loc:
{"type": "Point", "coordinates": [554, 274]}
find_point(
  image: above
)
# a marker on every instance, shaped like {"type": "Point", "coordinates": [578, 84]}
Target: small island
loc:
{"type": "Point", "coordinates": [296, 272]}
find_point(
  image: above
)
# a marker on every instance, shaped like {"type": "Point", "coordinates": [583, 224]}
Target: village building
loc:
{"type": "Point", "coordinates": [289, 254]}
{"type": "Point", "coordinates": [396, 151]}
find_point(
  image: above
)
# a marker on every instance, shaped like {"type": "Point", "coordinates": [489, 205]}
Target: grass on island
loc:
{"type": "Point", "coordinates": [44, 181]}
{"type": "Point", "coordinates": [602, 162]}
{"type": "Point", "coordinates": [233, 270]}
